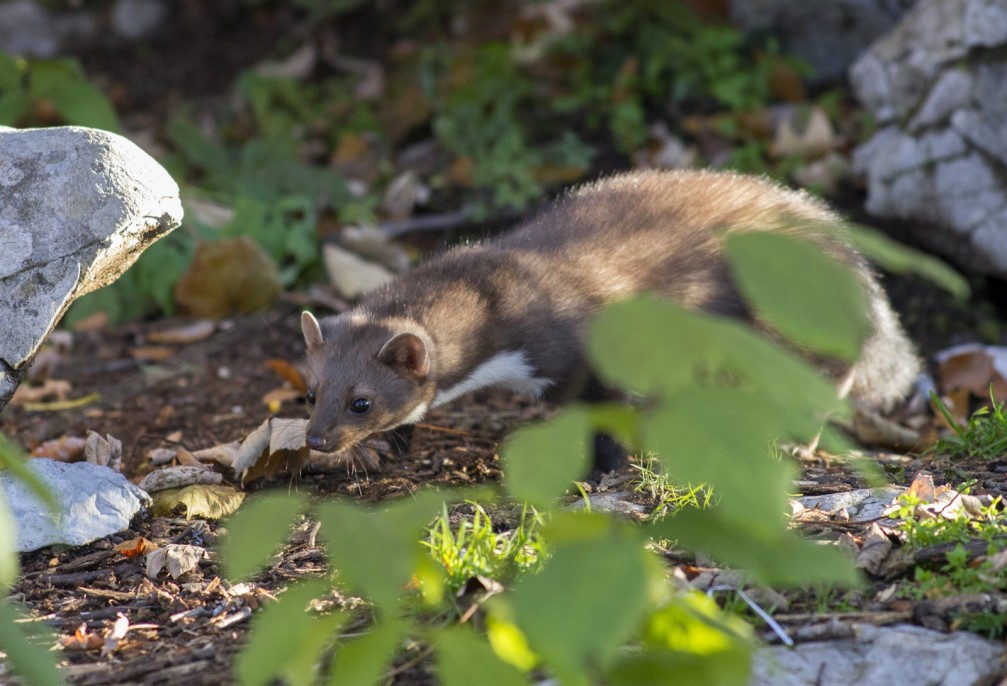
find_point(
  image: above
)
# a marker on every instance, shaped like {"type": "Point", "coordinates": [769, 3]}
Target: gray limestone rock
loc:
{"type": "Point", "coordinates": [77, 207]}
{"type": "Point", "coordinates": [94, 502]}
{"type": "Point", "coordinates": [936, 84]}
{"type": "Point", "coordinates": [881, 656]}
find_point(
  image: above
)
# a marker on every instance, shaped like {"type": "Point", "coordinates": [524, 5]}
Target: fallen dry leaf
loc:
{"type": "Point", "coordinates": [187, 459]}
{"type": "Point", "coordinates": [64, 449]}
{"type": "Point", "coordinates": [209, 501]}
{"type": "Point", "coordinates": [105, 451]}
{"type": "Point", "coordinates": [874, 551]}
{"type": "Point", "coordinates": [973, 367]}
{"type": "Point", "coordinates": [51, 389]}
{"type": "Point", "coordinates": [807, 134]}
{"type": "Point", "coordinates": [152, 353]}
{"type": "Point", "coordinates": [176, 559]}
{"type": "Point", "coordinates": [276, 443]}
{"type": "Point", "coordinates": [288, 373]}
{"type": "Point", "coordinates": [81, 639]}
{"type": "Point", "coordinates": [923, 488]}
{"type": "Point", "coordinates": [224, 454]}
{"type": "Point", "coordinates": [135, 546]}
{"type": "Point", "coordinates": [275, 398]}
{"type": "Point", "coordinates": [193, 332]}
{"type": "Point", "coordinates": [227, 276]}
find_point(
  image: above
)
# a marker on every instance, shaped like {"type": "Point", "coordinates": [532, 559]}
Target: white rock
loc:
{"type": "Point", "coordinates": [94, 502]}
{"type": "Point", "coordinates": [77, 207]}
{"type": "Point", "coordinates": [881, 656]}
{"type": "Point", "coordinates": [350, 274]}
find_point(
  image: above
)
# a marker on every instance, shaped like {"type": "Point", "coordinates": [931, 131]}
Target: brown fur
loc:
{"type": "Point", "coordinates": [535, 289]}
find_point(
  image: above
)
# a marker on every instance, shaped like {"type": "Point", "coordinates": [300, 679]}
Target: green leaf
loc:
{"type": "Point", "coordinates": [26, 647]}
{"type": "Point", "coordinates": [688, 432]}
{"type": "Point", "coordinates": [464, 659]}
{"type": "Point", "coordinates": [10, 562]}
{"type": "Point", "coordinates": [258, 530]}
{"type": "Point", "coordinates": [375, 550]}
{"type": "Point", "coordinates": [11, 76]}
{"type": "Point", "coordinates": [541, 462]}
{"type": "Point", "coordinates": [13, 105]}
{"type": "Point", "coordinates": [824, 311]}
{"type": "Point", "coordinates": [63, 83]}
{"type": "Point", "coordinates": [691, 641]}
{"type": "Point", "coordinates": [287, 640]}
{"type": "Point", "coordinates": [901, 259]}
{"type": "Point", "coordinates": [363, 660]}
{"type": "Point", "coordinates": [657, 347]}
{"type": "Point", "coordinates": [589, 598]}
{"type": "Point", "coordinates": [746, 543]}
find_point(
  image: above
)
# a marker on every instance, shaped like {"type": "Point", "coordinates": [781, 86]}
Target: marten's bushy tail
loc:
{"type": "Point", "coordinates": [888, 364]}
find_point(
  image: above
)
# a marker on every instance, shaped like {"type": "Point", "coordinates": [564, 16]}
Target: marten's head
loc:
{"type": "Point", "coordinates": [363, 377]}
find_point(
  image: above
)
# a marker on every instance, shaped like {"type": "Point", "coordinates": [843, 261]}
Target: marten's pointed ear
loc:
{"type": "Point", "coordinates": [406, 350]}
{"type": "Point", "coordinates": [312, 331]}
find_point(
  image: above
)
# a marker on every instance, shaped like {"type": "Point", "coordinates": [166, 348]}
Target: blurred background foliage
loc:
{"type": "Point", "coordinates": [344, 112]}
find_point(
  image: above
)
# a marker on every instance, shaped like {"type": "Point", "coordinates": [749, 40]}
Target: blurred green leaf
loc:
{"type": "Point", "coordinates": [767, 551]}
{"type": "Point", "coordinates": [375, 550]}
{"type": "Point", "coordinates": [62, 82]}
{"type": "Point", "coordinates": [826, 311]}
{"type": "Point", "coordinates": [364, 660]}
{"type": "Point", "coordinates": [541, 462]}
{"type": "Point", "coordinates": [26, 646]}
{"type": "Point", "coordinates": [10, 562]}
{"type": "Point", "coordinates": [692, 639]}
{"type": "Point", "coordinates": [657, 347]}
{"type": "Point", "coordinates": [901, 259]}
{"type": "Point", "coordinates": [257, 530]}
{"type": "Point", "coordinates": [589, 598]}
{"type": "Point", "coordinates": [464, 659]}
{"type": "Point", "coordinates": [287, 640]}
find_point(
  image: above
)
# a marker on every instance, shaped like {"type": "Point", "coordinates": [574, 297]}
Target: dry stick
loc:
{"type": "Point", "coordinates": [80, 578]}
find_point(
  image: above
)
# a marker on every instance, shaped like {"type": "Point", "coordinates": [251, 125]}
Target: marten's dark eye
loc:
{"type": "Point", "coordinates": [310, 396]}
{"type": "Point", "coordinates": [360, 406]}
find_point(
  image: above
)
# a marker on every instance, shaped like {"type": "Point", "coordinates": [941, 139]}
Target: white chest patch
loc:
{"type": "Point", "coordinates": [416, 415]}
{"type": "Point", "coordinates": [509, 370]}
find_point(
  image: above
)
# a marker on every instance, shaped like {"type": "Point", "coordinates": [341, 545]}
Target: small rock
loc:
{"type": "Point", "coordinates": [616, 502]}
{"type": "Point", "coordinates": [862, 504]}
{"type": "Point", "coordinates": [179, 476]}
{"type": "Point", "coordinates": [136, 19]}
{"type": "Point", "coordinates": [94, 502]}
{"type": "Point", "coordinates": [352, 275]}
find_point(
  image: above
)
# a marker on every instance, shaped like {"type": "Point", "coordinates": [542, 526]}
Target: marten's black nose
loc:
{"type": "Point", "coordinates": [315, 441]}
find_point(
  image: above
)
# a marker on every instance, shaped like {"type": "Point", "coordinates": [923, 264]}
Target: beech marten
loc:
{"type": "Point", "coordinates": [513, 312]}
